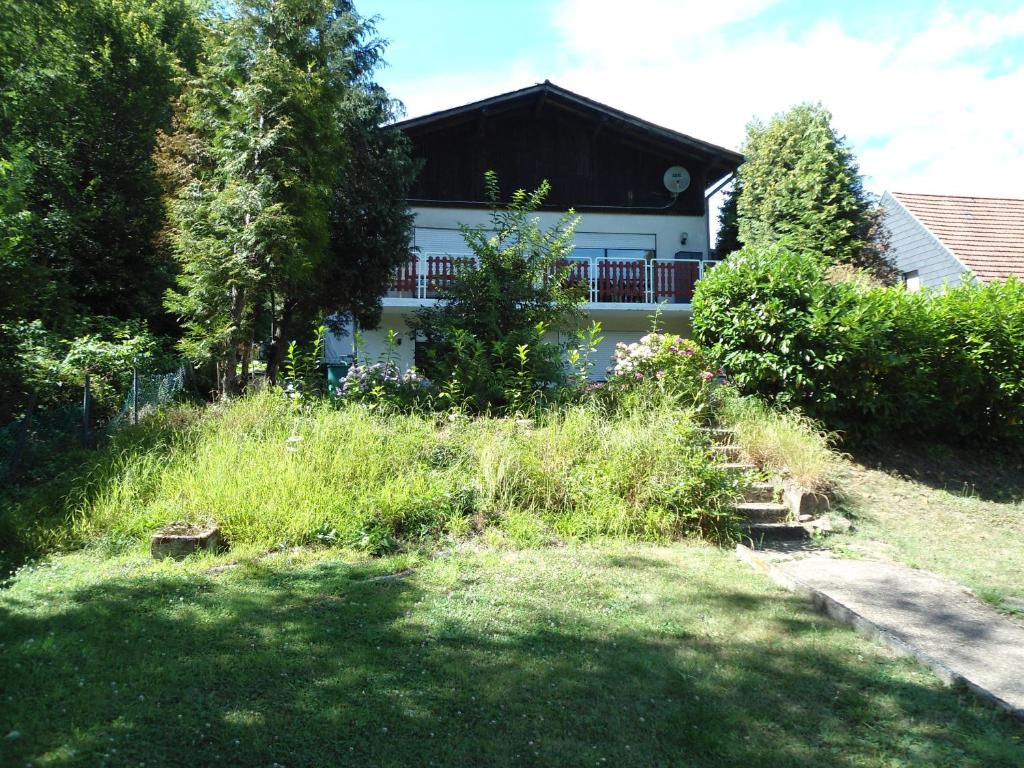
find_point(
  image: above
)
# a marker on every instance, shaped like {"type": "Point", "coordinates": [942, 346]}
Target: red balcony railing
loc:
{"type": "Point", "coordinates": [622, 281]}
{"type": "Point", "coordinates": [674, 281]}
{"type": "Point", "coordinates": [605, 280]}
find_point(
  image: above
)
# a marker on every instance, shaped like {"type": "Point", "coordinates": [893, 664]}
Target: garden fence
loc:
{"type": "Point", "coordinates": [45, 430]}
{"type": "Point", "coordinates": [148, 393]}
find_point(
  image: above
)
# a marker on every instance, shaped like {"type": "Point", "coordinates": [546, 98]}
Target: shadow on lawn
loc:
{"type": "Point", "coordinates": [990, 473]}
{"type": "Point", "coordinates": [314, 668]}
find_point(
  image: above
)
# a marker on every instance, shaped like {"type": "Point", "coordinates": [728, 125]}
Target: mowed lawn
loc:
{"type": "Point", "coordinates": [607, 655]}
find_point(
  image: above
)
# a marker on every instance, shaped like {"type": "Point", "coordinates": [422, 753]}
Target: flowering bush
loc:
{"type": "Point", "coordinates": [382, 382]}
{"type": "Point", "coordinates": [668, 363]}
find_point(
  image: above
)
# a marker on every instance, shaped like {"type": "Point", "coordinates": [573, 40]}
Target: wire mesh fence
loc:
{"type": "Point", "coordinates": [48, 430]}
{"type": "Point", "coordinates": [148, 393]}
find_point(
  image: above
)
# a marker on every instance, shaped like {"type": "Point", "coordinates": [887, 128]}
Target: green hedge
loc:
{"type": "Point", "coordinates": [868, 360]}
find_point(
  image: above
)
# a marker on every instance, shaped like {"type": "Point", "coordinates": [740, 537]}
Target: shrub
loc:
{"type": "Point", "coordinates": [55, 365]}
{"type": "Point", "coordinates": [864, 359]}
{"type": "Point", "coordinates": [766, 314]}
{"type": "Point", "coordinates": [980, 330]}
{"type": "Point", "coordinates": [665, 364]}
{"type": "Point", "coordinates": [383, 382]}
{"type": "Point", "coordinates": [485, 341]}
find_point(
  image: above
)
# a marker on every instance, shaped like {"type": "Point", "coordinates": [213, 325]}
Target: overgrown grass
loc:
{"type": "Point", "coordinates": [573, 656]}
{"type": "Point", "coordinates": [373, 479]}
{"type": "Point", "coordinates": [955, 512]}
{"type": "Point", "coordinates": [784, 441]}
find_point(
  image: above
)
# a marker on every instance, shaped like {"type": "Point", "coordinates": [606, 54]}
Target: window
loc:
{"type": "Point", "coordinates": [424, 354]}
{"type": "Point", "coordinates": [610, 245]}
{"type": "Point", "coordinates": [612, 253]}
{"type": "Point", "coordinates": [912, 280]}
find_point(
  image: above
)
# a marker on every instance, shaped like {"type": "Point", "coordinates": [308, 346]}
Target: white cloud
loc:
{"type": "Point", "coordinates": [626, 34]}
{"type": "Point", "coordinates": [424, 95]}
{"type": "Point", "coordinates": [919, 107]}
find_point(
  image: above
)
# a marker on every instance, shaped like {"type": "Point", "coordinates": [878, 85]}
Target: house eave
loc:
{"type": "Point", "coordinates": [720, 161]}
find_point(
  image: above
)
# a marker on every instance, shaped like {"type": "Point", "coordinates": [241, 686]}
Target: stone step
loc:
{"type": "Point", "coordinates": [776, 531]}
{"type": "Point", "coordinates": [720, 430]}
{"type": "Point", "coordinates": [759, 492]}
{"type": "Point", "coordinates": [763, 512]}
{"type": "Point", "coordinates": [729, 450]}
{"type": "Point", "coordinates": [736, 466]}
{"type": "Point", "coordinates": [720, 434]}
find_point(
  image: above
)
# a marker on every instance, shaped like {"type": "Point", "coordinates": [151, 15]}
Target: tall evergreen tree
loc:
{"type": "Point", "coordinates": [86, 87]}
{"type": "Point", "coordinates": [800, 182]}
{"type": "Point", "coordinates": [273, 126]}
{"type": "Point", "coordinates": [728, 239]}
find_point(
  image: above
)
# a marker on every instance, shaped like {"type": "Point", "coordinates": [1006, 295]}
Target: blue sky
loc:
{"type": "Point", "coordinates": [930, 94]}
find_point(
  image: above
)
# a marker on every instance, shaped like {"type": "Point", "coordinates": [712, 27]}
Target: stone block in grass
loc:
{"type": "Point", "coordinates": [180, 540]}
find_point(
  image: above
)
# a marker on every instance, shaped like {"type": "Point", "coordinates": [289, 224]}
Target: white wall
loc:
{"type": "Point", "coordinates": [626, 325]}
{"type": "Point", "coordinates": [914, 247]}
{"type": "Point", "coordinates": [666, 229]}
{"type": "Point", "coordinates": [375, 341]}
{"type": "Point", "coordinates": [616, 326]}
{"type": "Point", "coordinates": [338, 348]}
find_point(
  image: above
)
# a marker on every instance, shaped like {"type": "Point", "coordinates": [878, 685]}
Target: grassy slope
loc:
{"type": "Point", "coordinates": [575, 656]}
{"type": "Point", "coordinates": [958, 513]}
{"type": "Point", "coordinates": [364, 478]}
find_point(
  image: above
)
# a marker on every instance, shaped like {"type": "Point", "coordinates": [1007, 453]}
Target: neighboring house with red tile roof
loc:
{"type": "Point", "coordinates": [944, 239]}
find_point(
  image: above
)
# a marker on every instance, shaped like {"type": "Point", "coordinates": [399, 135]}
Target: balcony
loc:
{"type": "Point", "coordinates": [606, 280]}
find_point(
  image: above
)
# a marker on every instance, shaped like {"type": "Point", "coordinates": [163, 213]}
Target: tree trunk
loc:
{"type": "Point", "coordinates": [279, 345]}
{"type": "Point", "coordinates": [246, 361]}
{"type": "Point", "coordinates": [229, 366]}
{"type": "Point", "coordinates": [230, 384]}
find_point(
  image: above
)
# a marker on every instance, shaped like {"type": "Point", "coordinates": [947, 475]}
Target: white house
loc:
{"type": "Point", "coordinates": [939, 240]}
{"type": "Point", "coordinates": [640, 190]}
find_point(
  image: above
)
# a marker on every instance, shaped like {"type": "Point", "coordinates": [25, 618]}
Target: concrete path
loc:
{"type": "Point", "coordinates": [964, 640]}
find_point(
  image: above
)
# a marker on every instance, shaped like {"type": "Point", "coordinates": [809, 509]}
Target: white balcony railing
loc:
{"type": "Point", "coordinates": [607, 280]}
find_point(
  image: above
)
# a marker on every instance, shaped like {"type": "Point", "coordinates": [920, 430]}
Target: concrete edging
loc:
{"type": "Point", "coordinates": [867, 628]}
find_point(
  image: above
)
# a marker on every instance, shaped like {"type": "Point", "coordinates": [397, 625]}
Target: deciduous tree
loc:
{"type": "Point", "coordinates": [85, 86]}
{"type": "Point", "coordinates": [486, 337]}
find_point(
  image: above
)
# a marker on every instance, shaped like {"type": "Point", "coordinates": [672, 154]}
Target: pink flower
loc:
{"type": "Point", "coordinates": [688, 351]}
{"type": "Point", "coordinates": [639, 377]}
{"type": "Point", "coordinates": [707, 376]}
{"type": "Point", "coordinates": [659, 375]}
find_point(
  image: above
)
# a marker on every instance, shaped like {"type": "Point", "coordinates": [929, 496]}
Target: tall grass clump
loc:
{"type": "Point", "coordinates": [785, 441]}
{"type": "Point", "coordinates": [272, 474]}
{"type": "Point", "coordinates": [582, 473]}
{"type": "Point", "coordinates": [37, 510]}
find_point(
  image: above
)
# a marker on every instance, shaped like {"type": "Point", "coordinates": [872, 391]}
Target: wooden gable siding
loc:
{"type": "Point", "coordinates": [590, 165]}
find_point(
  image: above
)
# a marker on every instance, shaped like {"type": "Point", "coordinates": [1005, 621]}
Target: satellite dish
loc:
{"type": "Point", "coordinates": [676, 179]}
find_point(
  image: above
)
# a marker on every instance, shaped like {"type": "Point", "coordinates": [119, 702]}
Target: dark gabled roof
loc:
{"type": "Point", "coordinates": [720, 161]}
{"type": "Point", "coordinates": [985, 233]}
